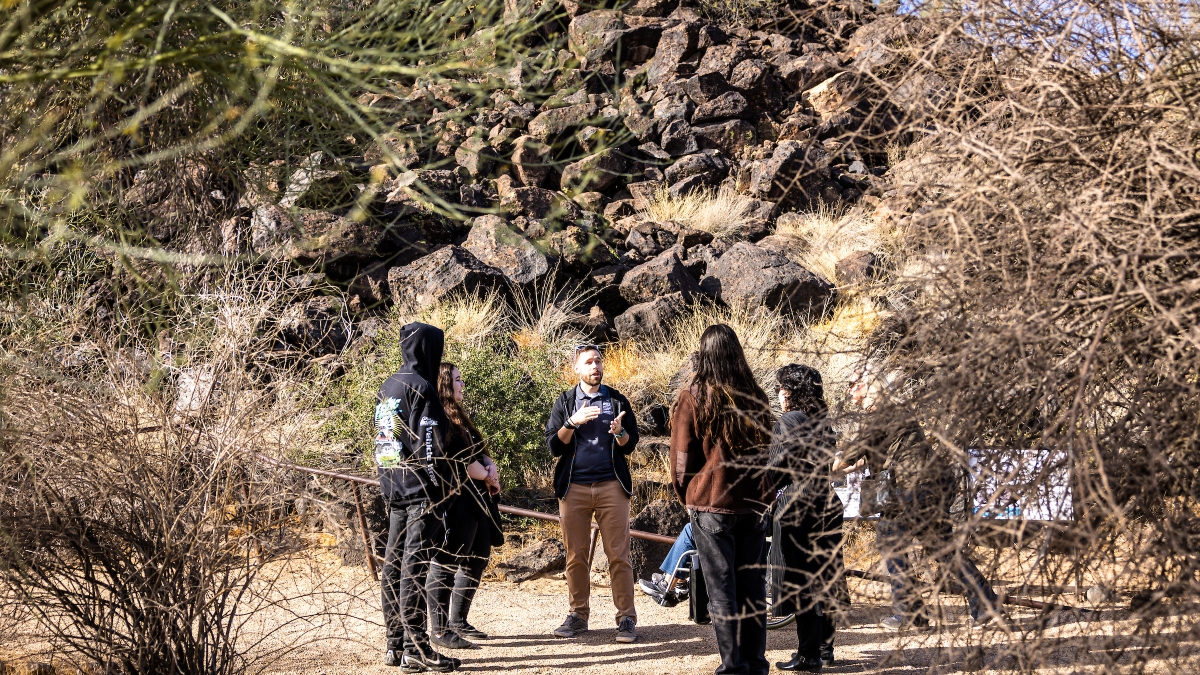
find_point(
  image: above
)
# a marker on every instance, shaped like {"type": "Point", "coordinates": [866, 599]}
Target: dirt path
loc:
{"type": "Point", "coordinates": [520, 618]}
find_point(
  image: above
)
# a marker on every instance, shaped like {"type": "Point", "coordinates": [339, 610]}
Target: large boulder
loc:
{"type": "Point", "coordinates": [663, 275]}
{"type": "Point", "coordinates": [721, 59]}
{"type": "Point", "coordinates": [652, 319]}
{"type": "Point", "coordinates": [750, 276]}
{"type": "Point", "coordinates": [661, 516]}
{"type": "Point", "coordinates": [494, 243]}
{"type": "Point", "coordinates": [452, 269]}
{"type": "Point", "coordinates": [580, 250]}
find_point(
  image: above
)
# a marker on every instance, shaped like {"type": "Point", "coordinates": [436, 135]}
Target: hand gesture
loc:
{"type": "Point", "coordinates": [615, 427]}
{"type": "Point", "coordinates": [585, 414]}
{"type": "Point", "coordinates": [493, 486]}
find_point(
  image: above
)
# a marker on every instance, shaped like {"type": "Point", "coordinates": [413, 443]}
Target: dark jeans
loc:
{"type": "Point", "coordinates": [414, 532]}
{"type": "Point", "coordinates": [926, 519]}
{"type": "Point", "coordinates": [731, 555]}
{"type": "Point", "coordinates": [454, 576]}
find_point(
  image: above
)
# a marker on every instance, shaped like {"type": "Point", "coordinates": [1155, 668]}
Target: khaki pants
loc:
{"type": "Point", "coordinates": [610, 505]}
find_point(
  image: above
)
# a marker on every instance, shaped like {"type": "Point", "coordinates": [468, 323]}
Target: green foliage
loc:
{"type": "Point", "coordinates": [509, 393]}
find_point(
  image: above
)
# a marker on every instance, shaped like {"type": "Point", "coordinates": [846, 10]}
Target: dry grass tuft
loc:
{"type": "Point", "coordinates": [717, 212]}
{"type": "Point", "coordinates": [468, 319]}
{"type": "Point", "coordinates": [832, 234]}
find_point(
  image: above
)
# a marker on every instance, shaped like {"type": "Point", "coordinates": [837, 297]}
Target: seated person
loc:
{"type": "Point", "coordinates": [658, 586]}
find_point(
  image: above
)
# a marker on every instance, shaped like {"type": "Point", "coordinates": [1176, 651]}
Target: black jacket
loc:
{"type": "Point", "coordinates": [410, 422]}
{"type": "Point", "coordinates": [564, 407]}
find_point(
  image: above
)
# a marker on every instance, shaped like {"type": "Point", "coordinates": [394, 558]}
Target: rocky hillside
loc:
{"type": "Point", "coordinates": [652, 106]}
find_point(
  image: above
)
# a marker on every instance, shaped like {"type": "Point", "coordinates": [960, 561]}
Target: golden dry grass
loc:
{"type": "Point", "coordinates": [831, 234]}
{"type": "Point", "coordinates": [468, 319]}
{"type": "Point", "coordinates": [717, 212]}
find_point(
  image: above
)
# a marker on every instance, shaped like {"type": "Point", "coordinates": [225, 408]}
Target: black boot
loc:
{"type": "Point", "coordinates": [801, 664]}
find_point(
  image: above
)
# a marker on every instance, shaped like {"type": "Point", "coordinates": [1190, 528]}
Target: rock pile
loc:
{"type": "Point", "coordinates": [562, 165]}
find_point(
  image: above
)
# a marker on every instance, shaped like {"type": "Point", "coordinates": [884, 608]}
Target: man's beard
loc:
{"type": "Point", "coordinates": [591, 380]}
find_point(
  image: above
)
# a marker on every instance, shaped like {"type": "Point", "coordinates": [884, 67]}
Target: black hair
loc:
{"type": "Point", "coordinates": [803, 384]}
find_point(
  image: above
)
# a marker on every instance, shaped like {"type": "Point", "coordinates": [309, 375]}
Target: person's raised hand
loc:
{"type": "Point", "coordinates": [585, 414]}
{"type": "Point", "coordinates": [615, 427]}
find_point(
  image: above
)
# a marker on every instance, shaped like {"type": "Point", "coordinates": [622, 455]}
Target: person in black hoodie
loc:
{"type": "Point", "coordinates": [416, 482]}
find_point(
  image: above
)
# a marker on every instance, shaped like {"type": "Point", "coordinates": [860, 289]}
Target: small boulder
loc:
{"type": "Point", "coordinates": [730, 137]}
{"type": "Point", "coordinates": [452, 269]}
{"type": "Point", "coordinates": [580, 250]}
{"type": "Point", "coordinates": [662, 275]}
{"type": "Point", "coordinates": [677, 139]}
{"type": "Point", "coordinates": [531, 160]}
{"type": "Point", "coordinates": [552, 123]}
{"type": "Point", "coordinates": [471, 155]}
{"type": "Point", "coordinates": [750, 276]}
{"type": "Point", "coordinates": [729, 104]}
{"type": "Point", "coordinates": [676, 44]}
{"type": "Point", "coordinates": [721, 59]}
{"type": "Point", "coordinates": [651, 319]}
{"type": "Point", "coordinates": [704, 88]}
{"type": "Point", "coordinates": [539, 203]}
{"type": "Point", "coordinates": [794, 173]}
{"type": "Point", "coordinates": [858, 267]}
{"type": "Point", "coordinates": [597, 172]}
{"type": "Point", "coordinates": [701, 163]}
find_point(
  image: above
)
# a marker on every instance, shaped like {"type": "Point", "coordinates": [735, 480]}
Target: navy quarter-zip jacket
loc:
{"type": "Point", "coordinates": [563, 408]}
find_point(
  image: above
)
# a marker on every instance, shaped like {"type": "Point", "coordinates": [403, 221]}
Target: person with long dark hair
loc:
{"type": "Point", "coordinates": [719, 430]}
{"type": "Point", "coordinates": [807, 578]}
{"type": "Point", "coordinates": [472, 522]}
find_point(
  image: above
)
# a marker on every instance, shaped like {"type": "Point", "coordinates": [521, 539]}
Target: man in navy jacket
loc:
{"type": "Point", "coordinates": [592, 431]}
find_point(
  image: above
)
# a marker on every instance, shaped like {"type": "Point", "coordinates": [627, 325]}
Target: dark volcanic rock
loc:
{"type": "Point", "coordinates": [651, 319]}
{"type": "Point", "coordinates": [730, 137]}
{"type": "Point", "coordinates": [729, 104]}
{"type": "Point", "coordinates": [539, 203]}
{"type": "Point", "coordinates": [597, 172]}
{"type": "Point", "coordinates": [530, 159]}
{"type": "Point", "coordinates": [580, 250]}
{"type": "Point", "coordinates": [494, 243]}
{"type": "Point", "coordinates": [448, 270]}
{"type": "Point", "coordinates": [793, 174]}
{"type": "Point", "coordinates": [534, 560]}
{"type": "Point", "coordinates": [663, 275]}
{"type": "Point", "coordinates": [661, 516]}
{"type": "Point", "coordinates": [315, 325]}
{"type": "Point", "coordinates": [749, 276]}
{"type": "Point", "coordinates": [677, 139]}
{"type": "Point", "coordinates": [675, 45]}
{"type": "Point", "coordinates": [554, 122]}
{"type": "Point", "coordinates": [761, 88]}
{"type": "Point", "coordinates": [701, 163]}
{"type": "Point", "coordinates": [721, 59]}
{"type": "Point", "coordinates": [857, 268]}
{"type": "Point", "coordinates": [704, 88]}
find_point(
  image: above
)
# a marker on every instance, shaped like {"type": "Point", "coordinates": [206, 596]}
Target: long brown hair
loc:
{"type": "Point", "coordinates": [730, 404]}
{"type": "Point", "coordinates": [460, 421]}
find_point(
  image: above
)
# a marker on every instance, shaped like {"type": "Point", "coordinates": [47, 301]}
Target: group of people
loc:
{"type": "Point", "coordinates": [737, 469]}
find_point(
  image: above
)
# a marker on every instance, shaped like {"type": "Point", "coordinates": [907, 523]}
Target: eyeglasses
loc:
{"type": "Point", "coordinates": [586, 348]}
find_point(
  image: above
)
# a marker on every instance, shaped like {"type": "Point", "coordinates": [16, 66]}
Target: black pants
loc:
{"type": "Point", "coordinates": [414, 533]}
{"type": "Point", "coordinates": [814, 633]}
{"type": "Point", "coordinates": [456, 571]}
{"type": "Point", "coordinates": [731, 555]}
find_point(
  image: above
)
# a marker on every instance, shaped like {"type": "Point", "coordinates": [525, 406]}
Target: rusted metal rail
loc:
{"type": "Point", "coordinates": [355, 481]}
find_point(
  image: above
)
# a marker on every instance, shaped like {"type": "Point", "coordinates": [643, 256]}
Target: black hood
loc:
{"type": "Point", "coordinates": [421, 345]}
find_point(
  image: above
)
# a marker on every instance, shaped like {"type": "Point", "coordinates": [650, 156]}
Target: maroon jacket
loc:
{"type": "Point", "coordinates": [706, 475]}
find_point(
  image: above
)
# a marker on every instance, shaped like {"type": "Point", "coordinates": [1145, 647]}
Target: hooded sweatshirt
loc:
{"type": "Point", "coordinates": [410, 424]}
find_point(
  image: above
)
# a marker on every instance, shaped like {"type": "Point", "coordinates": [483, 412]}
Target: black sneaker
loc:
{"type": "Point", "coordinates": [571, 627]}
{"type": "Point", "coordinates": [432, 662]}
{"type": "Point", "coordinates": [468, 631]}
{"type": "Point", "coordinates": [452, 640]}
